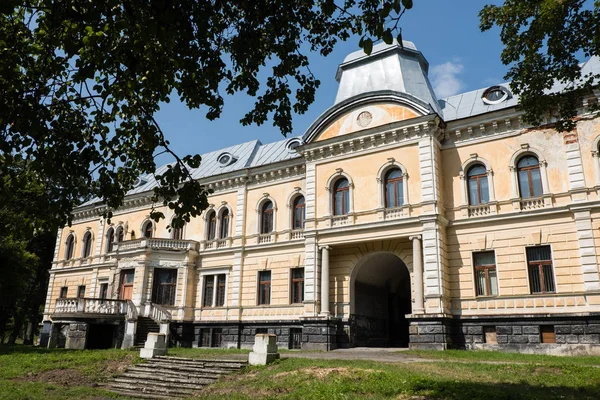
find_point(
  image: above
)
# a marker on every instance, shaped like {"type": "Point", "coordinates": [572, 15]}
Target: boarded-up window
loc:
{"type": "Point", "coordinates": [548, 335]}
{"type": "Point", "coordinates": [489, 333]}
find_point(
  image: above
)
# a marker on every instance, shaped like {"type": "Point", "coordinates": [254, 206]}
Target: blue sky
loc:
{"type": "Point", "coordinates": [447, 32]}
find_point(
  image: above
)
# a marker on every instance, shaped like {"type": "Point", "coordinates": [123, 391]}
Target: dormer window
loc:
{"type": "Point", "coordinates": [495, 95]}
{"type": "Point", "coordinates": [226, 159]}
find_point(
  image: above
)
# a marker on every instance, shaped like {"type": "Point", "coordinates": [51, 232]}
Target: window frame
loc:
{"type": "Point", "coordinates": [211, 275]}
{"type": "Point", "coordinates": [477, 178]}
{"type": "Point", "coordinates": [110, 235]}
{"type": "Point", "coordinates": [224, 223]}
{"type": "Point", "coordinates": [297, 285]}
{"type": "Point", "coordinates": [264, 288]}
{"type": "Point", "coordinates": [159, 288]}
{"type": "Point", "coordinates": [70, 247]}
{"type": "Point", "coordinates": [486, 268]}
{"type": "Point", "coordinates": [211, 225]}
{"type": "Point", "coordinates": [302, 208]}
{"type": "Point", "coordinates": [177, 233]}
{"type": "Point", "coordinates": [88, 241]}
{"type": "Point", "coordinates": [81, 291]}
{"type": "Point", "coordinates": [63, 292]}
{"type": "Point", "coordinates": [398, 182]}
{"type": "Point", "coordinates": [528, 169]}
{"type": "Point", "coordinates": [103, 290]}
{"type": "Point", "coordinates": [267, 213]}
{"type": "Point", "coordinates": [540, 270]}
{"type": "Point", "coordinates": [148, 230]}
{"type": "Point", "coordinates": [345, 192]}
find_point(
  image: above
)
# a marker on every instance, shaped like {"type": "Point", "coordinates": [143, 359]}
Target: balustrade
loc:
{"type": "Point", "coordinates": [91, 306]}
{"type": "Point", "coordinates": [532, 204]}
{"type": "Point", "coordinates": [479, 211]}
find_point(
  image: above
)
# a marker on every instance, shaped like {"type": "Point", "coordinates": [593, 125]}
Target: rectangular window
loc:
{"type": "Point", "coordinates": [205, 337]}
{"type": "Point", "coordinates": [264, 287]}
{"type": "Point", "coordinates": [81, 291]}
{"type": "Point", "coordinates": [297, 285]}
{"type": "Point", "coordinates": [295, 338]}
{"type": "Point", "coordinates": [63, 292]}
{"type": "Point", "coordinates": [539, 263]}
{"type": "Point", "coordinates": [209, 287]}
{"type": "Point", "coordinates": [486, 281]}
{"type": "Point", "coordinates": [165, 283]}
{"type": "Point", "coordinates": [103, 290]}
{"type": "Point", "coordinates": [221, 290]}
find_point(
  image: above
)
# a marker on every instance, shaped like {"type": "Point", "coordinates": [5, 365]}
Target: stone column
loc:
{"type": "Point", "coordinates": [325, 280]}
{"type": "Point", "coordinates": [418, 307]}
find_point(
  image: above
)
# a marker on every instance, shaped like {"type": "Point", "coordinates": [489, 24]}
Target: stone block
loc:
{"type": "Point", "coordinates": [468, 338]}
{"type": "Point", "coordinates": [156, 345]}
{"type": "Point", "coordinates": [517, 330]}
{"type": "Point", "coordinates": [593, 328]}
{"type": "Point", "coordinates": [264, 350]}
{"type": "Point", "coordinates": [502, 338]}
{"type": "Point", "coordinates": [475, 330]}
{"type": "Point", "coordinates": [577, 329]}
{"type": "Point", "coordinates": [531, 330]}
{"type": "Point", "coordinates": [440, 339]}
{"type": "Point", "coordinates": [572, 339]}
{"type": "Point", "coordinates": [477, 339]}
{"type": "Point", "coordinates": [518, 339]}
{"type": "Point", "coordinates": [561, 339]}
{"type": "Point", "coordinates": [504, 330]}
{"type": "Point", "coordinates": [562, 329]}
{"type": "Point", "coordinates": [426, 338]}
{"type": "Point", "coordinates": [534, 338]}
{"type": "Point", "coordinates": [413, 330]}
{"type": "Point", "coordinates": [433, 329]}
{"type": "Point", "coordinates": [590, 339]}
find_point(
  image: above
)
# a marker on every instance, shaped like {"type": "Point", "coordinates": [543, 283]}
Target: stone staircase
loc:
{"type": "Point", "coordinates": [144, 327]}
{"type": "Point", "coordinates": [165, 377]}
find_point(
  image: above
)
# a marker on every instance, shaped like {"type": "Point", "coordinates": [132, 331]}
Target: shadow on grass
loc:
{"type": "Point", "coordinates": [26, 349]}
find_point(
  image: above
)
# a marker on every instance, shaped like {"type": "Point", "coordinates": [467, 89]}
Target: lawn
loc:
{"type": "Point", "coordinates": [29, 373]}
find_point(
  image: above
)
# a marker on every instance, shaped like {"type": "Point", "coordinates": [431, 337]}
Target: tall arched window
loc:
{"type": "Point", "coordinates": [177, 233]}
{"type": "Point", "coordinates": [266, 217]}
{"type": "Point", "coordinates": [341, 197]}
{"type": "Point", "coordinates": [299, 213]}
{"type": "Point", "coordinates": [147, 231]}
{"type": "Point", "coordinates": [120, 234]}
{"type": "Point", "coordinates": [224, 227]}
{"type": "Point", "coordinates": [530, 179]}
{"type": "Point", "coordinates": [212, 225]}
{"type": "Point", "coordinates": [394, 191]}
{"type": "Point", "coordinates": [69, 247]}
{"type": "Point", "coordinates": [110, 238]}
{"type": "Point", "coordinates": [87, 244]}
{"type": "Point", "coordinates": [479, 192]}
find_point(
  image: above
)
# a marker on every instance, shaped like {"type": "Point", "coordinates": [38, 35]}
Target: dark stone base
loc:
{"type": "Point", "coordinates": [308, 334]}
{"type": "Point", "coordinates": [84, 333]}
{"type": "Point", "coordinates": [540, 334]}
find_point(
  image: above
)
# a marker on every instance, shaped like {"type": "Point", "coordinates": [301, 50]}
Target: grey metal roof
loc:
{"type": "Point", "coordinates": [248, 155]}
{"type": "Point", "coordinates": [389, 67]}
{"type": "Point", "coordinates": [465, 105]}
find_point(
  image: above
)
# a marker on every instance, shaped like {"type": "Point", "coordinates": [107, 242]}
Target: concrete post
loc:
{"type": "Point", "coordinates": [325, 280]}
{"type": "Point", "coordinates": [418, 307]}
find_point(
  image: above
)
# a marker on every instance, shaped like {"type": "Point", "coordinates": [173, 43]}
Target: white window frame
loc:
{"type": "Point", "coordinates": [266, 197]}
{"type": "Point", "coordinates": [214, 272]}
{"type": "Point", "coordinates": [339, 174]}
{"type": "Point", "coordinates": [392, 164]}
{"type": "Point", "coordinates": [463, 174]}
{"type": "Point", "coordinates": [525, 151]}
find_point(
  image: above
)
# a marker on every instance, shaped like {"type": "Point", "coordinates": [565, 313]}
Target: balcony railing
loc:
{"type": "Point", "coordinates": [479, 211]}
{"type": "Point", "coordinates": [297, 234]}
{"type": "Point", "coordinates": [532, 204]}
{"type": "Point", "coordinates": [265, 238]}
{"type": "Point", "coordinates": [157, 243]}
{"type": "Point", "coordinates": [91, 306]}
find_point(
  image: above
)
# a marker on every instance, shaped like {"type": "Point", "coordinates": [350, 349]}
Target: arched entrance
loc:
{"type": "Point", "coordinates": [380, 296]}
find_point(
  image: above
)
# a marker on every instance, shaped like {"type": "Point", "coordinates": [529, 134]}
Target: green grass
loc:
{"type": "Point", "coordinates": [28, 372]}
{"type": "Point", "coordinates": [497, 356]}
{"type": "Point", "coordinates": [31, 373]}
{"type": "Point", "coordinates": [337, 379]}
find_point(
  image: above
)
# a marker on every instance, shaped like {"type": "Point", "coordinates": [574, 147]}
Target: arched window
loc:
{"type": "Point", "coordinates": [147, 230]}
{"type": "Point", "coordinates": [394, 190]}
{"type": "Point", "coordinates": [341, 197]}
{"type": "Point", "coordinates": [299, 213]}
{"type": "Point", "coordinates": [266, 217]}
{"type": "Point", "coordinates": [212, 225]}
{"type": "Point", "coordinates": [479, 192]}
{"type": "Point", "coordinates": [530, 179]}
{"type": "Point", "coordinates": [224, 228]}
{"type": "Point", "coordinates": [110, 238]}
{"type": "Point", "coordinates": [87, 244]}
{"type": "Point", "coordinates": [177, 233]}
{"type": "Point", "coordinates": [70, 247]}
{"type": "Point", "coordinates": [120, 234]}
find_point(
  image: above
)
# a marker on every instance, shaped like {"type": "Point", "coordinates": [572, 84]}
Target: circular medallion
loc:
{"type": "Point", "coordinates": [364, 119]}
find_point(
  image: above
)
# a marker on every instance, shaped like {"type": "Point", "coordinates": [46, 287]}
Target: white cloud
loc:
{"type": "Point", "coordinates": [445, 78]}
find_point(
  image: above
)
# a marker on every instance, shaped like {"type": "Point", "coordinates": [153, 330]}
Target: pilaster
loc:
{"type": "Point", "coordinates": [587, 250]}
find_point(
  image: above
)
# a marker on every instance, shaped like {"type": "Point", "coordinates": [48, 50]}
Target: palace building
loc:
{"type": "Point", "coordinates": [396, 219]}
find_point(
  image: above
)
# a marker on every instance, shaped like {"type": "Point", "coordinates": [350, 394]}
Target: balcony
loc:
{"type": "Point", "coordinates": [157, 244]}
{"type": "Point", "coordinates": [479, 210]}
{"type": "Point", "coordinates": [533, 203]}
{"type": "Point", "coordinates": [106, 307]}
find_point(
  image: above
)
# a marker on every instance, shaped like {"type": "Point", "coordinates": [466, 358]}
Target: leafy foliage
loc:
{"type": "Point", "coordinates": [542, 40]}
{"type": "Point", "coordinates": [81, 81]}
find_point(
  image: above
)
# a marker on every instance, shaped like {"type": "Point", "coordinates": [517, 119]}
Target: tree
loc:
{"type": "Point", "coordinates": [542, 41]}
{"type": "Point", "coordinates": [80, 82]}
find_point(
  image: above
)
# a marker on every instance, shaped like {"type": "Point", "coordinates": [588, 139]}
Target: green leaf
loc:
{"type": "Point", "coordinates": [408, 4]}
{"type": "Point", "coordinates": [387, 36]}
{"type": "Point", "coordinates": [368, 46]}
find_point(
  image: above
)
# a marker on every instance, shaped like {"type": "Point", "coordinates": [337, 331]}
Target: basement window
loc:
{"type": "Point", "coordinates": [547, 334]}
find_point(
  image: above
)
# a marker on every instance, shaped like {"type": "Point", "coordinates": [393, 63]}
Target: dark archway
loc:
{"type": "Point", "coordinates": [380, 298]}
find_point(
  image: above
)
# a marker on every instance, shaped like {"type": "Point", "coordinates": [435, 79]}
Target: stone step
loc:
{"type": "Point", "coordinates": [219, 360]}
{"type": "Point", "coordinates": [184, 368]}
{"type": "Point", "coordinates": [152, 383]}
{"type": "Point", "coordinates": [140, 395]}
{"type": "Point", "coordinates": [173, 374]}
{"type": "Point", "coordinates": [201, 363]}
{"type": "Point", "coordinates": [146, 388]}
